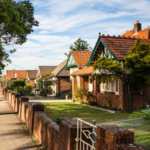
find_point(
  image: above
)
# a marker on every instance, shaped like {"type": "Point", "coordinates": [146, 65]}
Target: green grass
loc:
{"type": "Point", "coordinates": [71, 110]}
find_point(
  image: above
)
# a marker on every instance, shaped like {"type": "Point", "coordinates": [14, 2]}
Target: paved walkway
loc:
{"type": "Point", "coordinates": [61, 101]}
{"type": "Point", "coordinates": [12, 134]}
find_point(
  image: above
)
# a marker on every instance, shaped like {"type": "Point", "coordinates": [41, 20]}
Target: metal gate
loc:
{"type": "Point", "coordinates": [85, 139]}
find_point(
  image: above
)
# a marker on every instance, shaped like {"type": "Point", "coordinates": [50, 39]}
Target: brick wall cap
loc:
{"type": "Point", "coordinates": [6, 90]}
{"type": "Point", "coordinates": [34, 104]}
{"type": "Point", "coordinates": [17, 95]}
{"type": "Point", "coordinates": [56, 127]}
{"type": "Point", "coordinates": [13, 93]}
{"type": "Point", "coordinates": [24, 98]}
{"type": "Point", "coordinates": [72, 123]}
{"type": "Point", "coordinates": [9, 91]}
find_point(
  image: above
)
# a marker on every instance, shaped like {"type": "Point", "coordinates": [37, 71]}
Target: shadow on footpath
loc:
{"type": "Point", "coordinates": [11, 113]}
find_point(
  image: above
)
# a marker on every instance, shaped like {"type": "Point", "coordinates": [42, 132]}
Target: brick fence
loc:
{"type": "Point", "coordinates": [62, 136]}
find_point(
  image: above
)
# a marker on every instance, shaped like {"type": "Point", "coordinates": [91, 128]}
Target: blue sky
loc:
{"type": "Point", "coordinates": [64, 21]}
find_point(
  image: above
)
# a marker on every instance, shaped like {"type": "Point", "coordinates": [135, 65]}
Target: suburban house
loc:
{"type": "Point", "coordinates": [43, 69]}
{"type": "Point", "coordinates": [31, 76]}
{"type": "Point", "coordinates": [137, 32]}
{"type": "Point", "coordinates": [111, 93]}
{"type": "Point", "coordinates": [76, 61]}
{"type": "Point", "coordinates": [61, 79]}
{"type": "Point", "coordinates": [17, 74]}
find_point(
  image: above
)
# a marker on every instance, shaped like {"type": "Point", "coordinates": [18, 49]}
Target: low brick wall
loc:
{"type": "Point", "coordinates": [62, 136]}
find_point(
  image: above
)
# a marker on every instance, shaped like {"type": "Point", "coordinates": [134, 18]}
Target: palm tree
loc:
{"type": "Point", "coordinates": [145, 113]}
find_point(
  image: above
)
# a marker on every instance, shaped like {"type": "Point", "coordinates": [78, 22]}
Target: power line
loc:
{"type": "Point", "coordinates": [34, 55]}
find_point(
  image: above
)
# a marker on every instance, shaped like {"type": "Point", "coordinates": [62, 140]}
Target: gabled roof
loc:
{"type": "Point", "coordinates": [32, 74]}
{"type": "Point", "coordinates": [117, 46]}
{"type": "Point", "coordinates": [84, 71]}
{"type": "Point", "coordinates": [79, 58]}
{"type": "Point", "coordinates": [19, 74]}
{"type": "Point", "coordinates": [59, 70]}
{"type": "Point", "coordinates": [44, 69]}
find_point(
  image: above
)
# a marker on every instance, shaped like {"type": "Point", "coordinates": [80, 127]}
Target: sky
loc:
{"type": "Point", "coordinates": [61, 22]}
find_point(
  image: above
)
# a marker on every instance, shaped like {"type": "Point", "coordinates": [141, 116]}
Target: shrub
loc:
{"type": "Point", "coordinates": [11, 87]}
{"type": "Point", "coordinates": [93, 103]}
{"type": "Point", "coordinates": [43, 93]}
{"type": "Point", "coordinates": [80, 93]}
{"type": "Point", "coordinates": [58, 120]}
{"type": "Point", "coordinates": [28, 89]}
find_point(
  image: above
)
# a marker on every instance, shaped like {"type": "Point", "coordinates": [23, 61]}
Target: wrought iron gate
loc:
{"type": "Point", "coordinates": [84, 135]}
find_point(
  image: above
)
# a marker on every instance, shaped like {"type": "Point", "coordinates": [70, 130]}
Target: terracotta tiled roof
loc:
{"type": "Point", "coordinates": [81, 58]}
{"type": "Point", "coordinates": [32, 74]}
{"type": "Point", "coordinates": [19, 74]}
{"type": "Point", "coordinates": [120, 46]}
{"type": "Point", "coordinates": [84, 71]}
{"type": "Point", "coordinates": [143, 34]}
{"type": "Point", "coordinates": [59, 70]}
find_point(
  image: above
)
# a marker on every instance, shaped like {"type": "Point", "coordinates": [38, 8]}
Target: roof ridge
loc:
{"type": "Point", "coordinates": [120, 37]}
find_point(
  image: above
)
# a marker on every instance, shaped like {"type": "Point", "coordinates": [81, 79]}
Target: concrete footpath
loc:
{"type": "Point", "coordinates": [12, 134]}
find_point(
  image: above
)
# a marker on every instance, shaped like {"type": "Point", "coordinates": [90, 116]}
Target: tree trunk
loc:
{"type": "Point", "coordinates": [130, 100]}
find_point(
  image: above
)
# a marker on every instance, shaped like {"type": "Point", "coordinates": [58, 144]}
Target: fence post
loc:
{"type": "Point", "coordinates": [93, 135]}
{"type": "Point", "coordinates": [16, 102]}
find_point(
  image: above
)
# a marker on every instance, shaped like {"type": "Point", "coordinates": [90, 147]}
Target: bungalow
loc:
{"type": "Point", "coordinates": [31, 76]}
{"type": "Point", "coordinates": [111, 93]}
{"type": "Point", "coordinates": [61, 79]}
{"type": "Point", "coordinates": [76, 61]}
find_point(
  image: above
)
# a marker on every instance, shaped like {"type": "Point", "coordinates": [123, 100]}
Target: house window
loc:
{"type": "Point", "coordinates": [111, 86]}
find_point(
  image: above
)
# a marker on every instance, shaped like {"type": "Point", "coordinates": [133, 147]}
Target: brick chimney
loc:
{"type": "Point", "coordinates": [137, 27]}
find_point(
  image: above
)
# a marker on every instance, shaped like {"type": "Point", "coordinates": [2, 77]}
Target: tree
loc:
{"type": "Point", "coordinates": [137, 61]}
{"type": "Point", "coordinates": [16, 22]}
{"type": "Point", "coordinates": [44, 83]}
{"type": "Point", "coordinates": [80, 45]}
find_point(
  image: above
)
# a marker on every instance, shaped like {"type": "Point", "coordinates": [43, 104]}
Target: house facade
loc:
{"type": "Point", "coordinates": [111, 93]}
{"type": "Point", "coordinates": [76, 61]}
{"type": "Point", "coordinates": [30, 77]}
{"type": "Point", "coordinates": [61, 79]}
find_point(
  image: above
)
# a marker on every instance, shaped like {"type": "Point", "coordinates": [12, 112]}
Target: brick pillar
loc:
{"type": "Point", "coordinates": [74, 84]}
{"type": "Point", "coordinates": [109, 137]}
{"type": "Point", "coordinates": [68, 133]}
{"type": "Point", "coordinates": [21, 100]}
{"type": "Point", "coordinates": [9, 97]}
{"type": "Point", "coordinates": [57, 85]}
{"type": "Point", "coordinates": [94, 87]}
{"type": "Point", "coordinates": [12, 99]}
{"type": "Point", "coordinates": [34, 107]}
{"type": "Point", "coordinates": [16, 102]}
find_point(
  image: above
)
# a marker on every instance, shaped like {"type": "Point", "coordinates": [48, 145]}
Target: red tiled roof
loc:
{"type": "Point", "coordinates": [143, 34]}
{"type": "Point", "coordinates": [20, 74]}
{"type": "Point", "coordinates": [81, 58]}
{"type": "Point", "coordinates": [120, 46]}
{"type": "Point", "coordinates": [85, 70]}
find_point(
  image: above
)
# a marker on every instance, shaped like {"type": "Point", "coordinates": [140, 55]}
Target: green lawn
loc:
{"type": "Point", "coordinates": [71, 110]}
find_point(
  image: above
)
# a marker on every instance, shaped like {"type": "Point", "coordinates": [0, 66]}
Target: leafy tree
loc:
{"type": "Point", "coordinates": [16, 22]}
{"type": "Point", "coordinates": [44, 83]}
{"type": "Point", "coordinates": [138, 63]}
